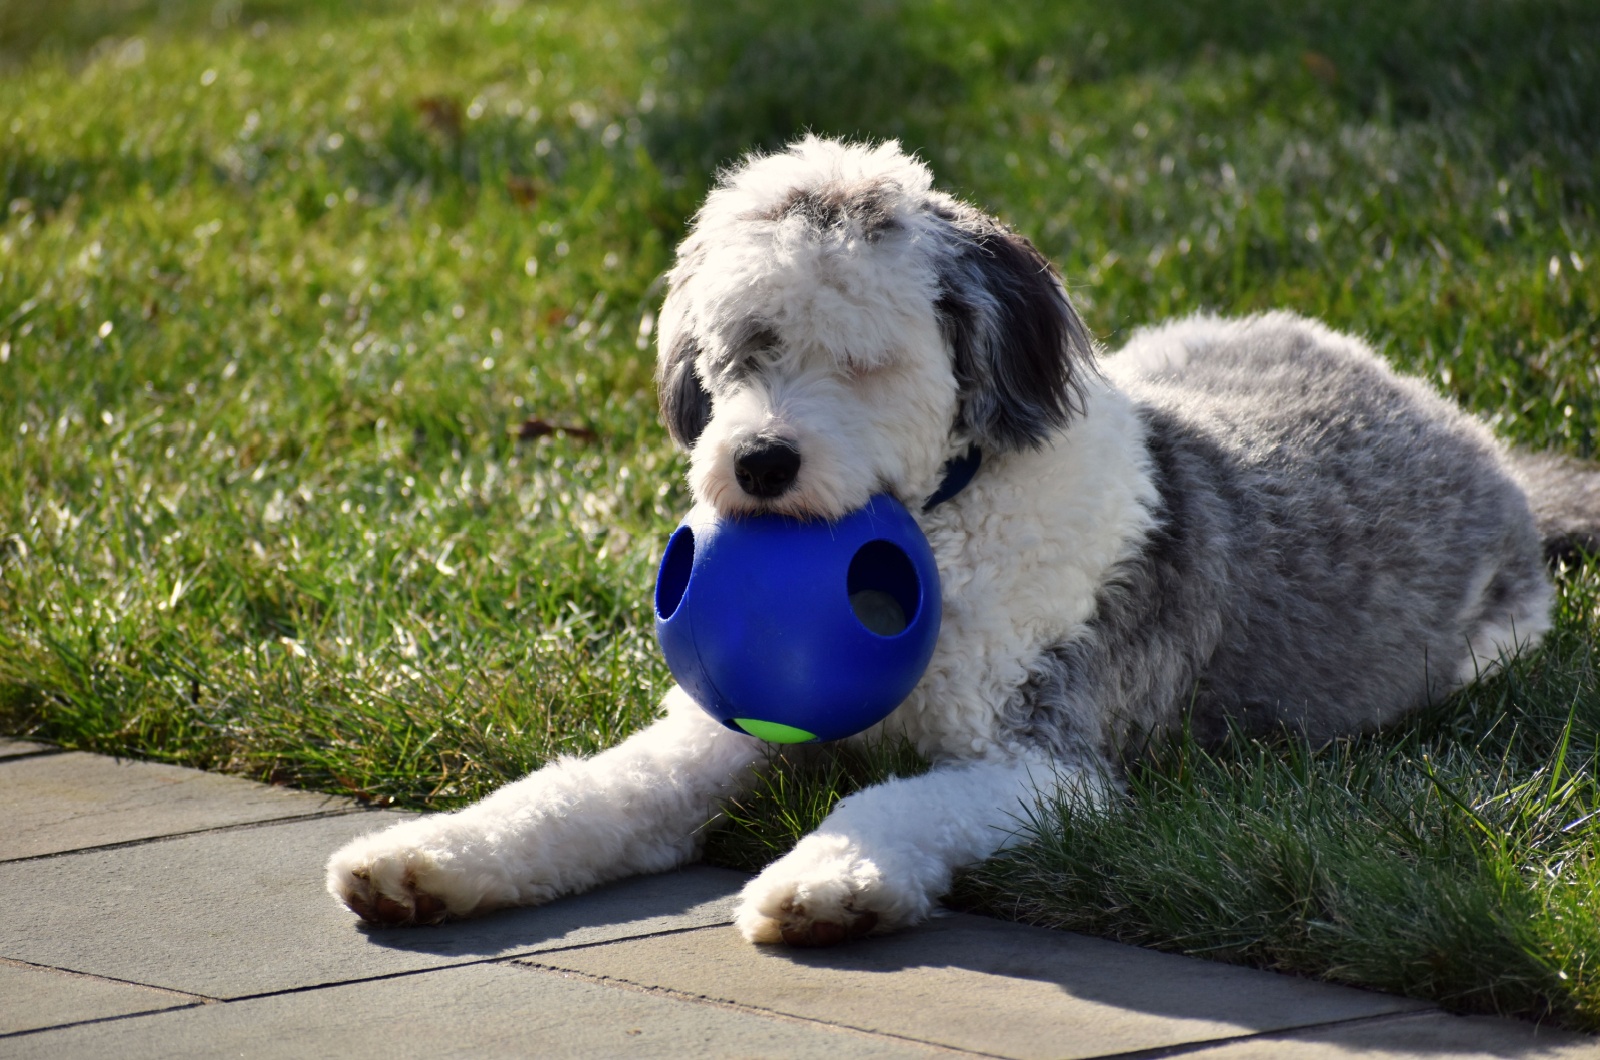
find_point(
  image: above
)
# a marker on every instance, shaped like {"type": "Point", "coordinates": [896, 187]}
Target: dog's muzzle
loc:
{"type": "Point", "coordinates": [766, 468]}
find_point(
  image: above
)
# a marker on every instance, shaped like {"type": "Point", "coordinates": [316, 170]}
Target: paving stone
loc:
{"type": "Point", "coordinates": [1431, 1035]}
{"type": "Point", "coordinates": [243, 911]}
{"type": "Point", "coordinates": [70, 801]}
{"type": "Point", "coordinates": [31, 998]}
{"type": "Point", "coordinates": [971, 983]}
{"type": "Point", "coordinates": [480, 1011]}
{"type": "Point", "coordinates": [10, 748]}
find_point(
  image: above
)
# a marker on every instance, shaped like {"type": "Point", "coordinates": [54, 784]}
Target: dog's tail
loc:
{"type": "Point", "coordinates": [1565, 497]}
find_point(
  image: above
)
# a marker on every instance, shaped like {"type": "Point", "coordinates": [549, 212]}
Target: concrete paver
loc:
{"type": "Point", "coordinates": [45, 997]}
{"type": "Point", "coordinates": [479, 1011]}
{"type": "Point", "coordinates": [219, 939]}
{"type": "Point", "coordinates": [239, 912]}
{"type": "Point", "coordinates": [60, 802]}
{"type": "Point", "coordinates": [972, 983]}
{"type": "Point", "coordinates": [1422, 1036]}
{"type": "Point", "coordinates": [10, 748]}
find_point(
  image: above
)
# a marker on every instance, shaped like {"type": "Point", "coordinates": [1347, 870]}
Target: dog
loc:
{"type": "Point", "coordinates": [1249, 523]}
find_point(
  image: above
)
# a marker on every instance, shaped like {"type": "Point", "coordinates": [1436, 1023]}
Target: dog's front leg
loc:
{"type": "Point", "coordinates": [886, 854]}
{"type": "Point", "coordinates": [575, 823]}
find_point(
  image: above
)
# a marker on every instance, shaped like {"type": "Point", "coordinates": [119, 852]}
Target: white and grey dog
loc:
{"type": "Point", "coordinates": [1250, 522]}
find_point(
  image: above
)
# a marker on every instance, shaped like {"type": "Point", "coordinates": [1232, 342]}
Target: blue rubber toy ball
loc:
{"type": "Point", "coordinates": [798, 631]}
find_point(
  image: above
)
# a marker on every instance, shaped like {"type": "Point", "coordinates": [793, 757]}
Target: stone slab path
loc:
{"type": "Point", "coordinates": [150, 911]}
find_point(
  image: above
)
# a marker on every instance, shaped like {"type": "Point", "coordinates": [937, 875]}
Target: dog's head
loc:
{"type": "Point", "coordinates": [835, 328]}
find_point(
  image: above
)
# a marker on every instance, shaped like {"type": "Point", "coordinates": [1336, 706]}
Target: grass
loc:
{"type": "Point", "coordinates": [279, 288]}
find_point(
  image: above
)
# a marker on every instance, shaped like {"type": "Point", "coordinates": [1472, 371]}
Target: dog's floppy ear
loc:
{"type": "Point", "coordinates": [685, 402]}
{"type": "Point", "coordinates": [685, 405]}
{"type": "Point", "coordinates": [1020, 349]}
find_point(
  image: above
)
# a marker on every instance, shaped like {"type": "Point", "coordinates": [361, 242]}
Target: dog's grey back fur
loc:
{"type": "Point", "coordinates": [1331, 536]}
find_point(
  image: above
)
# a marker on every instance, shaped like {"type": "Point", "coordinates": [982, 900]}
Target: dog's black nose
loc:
{"type": "Point", "coordinates": [766, 468]}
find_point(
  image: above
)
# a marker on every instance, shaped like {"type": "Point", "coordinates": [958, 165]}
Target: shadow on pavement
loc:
{"type": "Point", "coordinates": [695, 897]}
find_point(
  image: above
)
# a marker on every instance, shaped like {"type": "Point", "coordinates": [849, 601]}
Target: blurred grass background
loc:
{"type": "Point", "coordinates": [291, 298]}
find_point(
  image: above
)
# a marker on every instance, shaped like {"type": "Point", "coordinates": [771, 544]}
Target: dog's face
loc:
{"type": "Point", "coordinates": [835, 328]}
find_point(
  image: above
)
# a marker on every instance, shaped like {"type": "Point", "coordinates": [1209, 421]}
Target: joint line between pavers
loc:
{"type": "Point", "coordinates": [73, 973]}
{"type": "Point", "coordinates": [753, 1010]}
{"type": "Point", "coordinates": [334, 984]}
{"type": "Point", "coordinates": [186, 999]}
{"type": "Point", "coordinates": [505, 958]}
{"type": "Point", "coordinates": [1162, 1052]}
{"type": "Point", "coordinates": [42, 752]}
{"type": "Point", "coordinates": [147, 840]}
{"type": "Point", "coordinates": [102, 1019]}
{"type": "Point", "coordinates": [656, 934]}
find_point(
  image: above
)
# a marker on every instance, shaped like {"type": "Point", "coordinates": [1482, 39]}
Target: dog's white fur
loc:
{"type": "Point", "coordinates": [863, 408]}
{"type": "Point", "coordinates": [864, 386]}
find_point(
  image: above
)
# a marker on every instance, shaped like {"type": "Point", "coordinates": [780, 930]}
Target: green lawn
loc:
{"type": "Point", "coordinates": [278, 288]}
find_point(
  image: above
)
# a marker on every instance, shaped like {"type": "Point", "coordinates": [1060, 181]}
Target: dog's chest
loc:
{"type": "Point", "coordinates": [1022, 554]}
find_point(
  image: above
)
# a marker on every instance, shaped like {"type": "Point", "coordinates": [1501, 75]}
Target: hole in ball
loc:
{"type": "Point", "coordinates": [673, 578]}
{"type": "Point", "coordinates": [885, 592]}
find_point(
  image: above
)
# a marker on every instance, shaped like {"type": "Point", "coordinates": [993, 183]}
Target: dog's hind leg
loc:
{"type": "Point", "coordinates": [576, 823]}
{"type": "Point", "coordinates": [885, 855]}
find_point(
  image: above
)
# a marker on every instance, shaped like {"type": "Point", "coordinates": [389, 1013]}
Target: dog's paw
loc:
{"type": "Point", "coordinates": [823, 893]}
{"type": "Point", "coordinates": [802, 920]}
{"type": "Point", "coordinates": [408, 875]}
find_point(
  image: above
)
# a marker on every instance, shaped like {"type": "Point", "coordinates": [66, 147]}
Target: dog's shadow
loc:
{"type": "Point", "coordinates": [695, 897]}
{"type": "Point", "coordinates": [971, 963]}
{"type": "Point", "coordinates": [990, 967]}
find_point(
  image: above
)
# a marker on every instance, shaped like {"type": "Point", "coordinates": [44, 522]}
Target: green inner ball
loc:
{"type": "Point", "coordinates": [878, 611]}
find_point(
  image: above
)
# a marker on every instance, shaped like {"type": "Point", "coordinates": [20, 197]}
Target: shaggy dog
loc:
{"type": "Point", "coordinates": [1246, 522]}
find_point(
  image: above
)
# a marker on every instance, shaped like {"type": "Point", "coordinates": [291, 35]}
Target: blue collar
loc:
{"type": "Point", "coordinates": [958, 472]}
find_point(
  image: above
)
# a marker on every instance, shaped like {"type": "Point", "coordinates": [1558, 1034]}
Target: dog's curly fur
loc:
{"type": "Point", "coordinates": [1247, 522]}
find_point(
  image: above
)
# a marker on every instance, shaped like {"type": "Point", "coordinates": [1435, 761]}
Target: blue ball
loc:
{"type": "Point", "coordinates": [796, 631]}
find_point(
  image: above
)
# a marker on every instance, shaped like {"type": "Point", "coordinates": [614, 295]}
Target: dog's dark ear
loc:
{"type": "Point", "coordinates": [685, 405]}
{"type": "Point", "coordinates": [1021, 351]}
